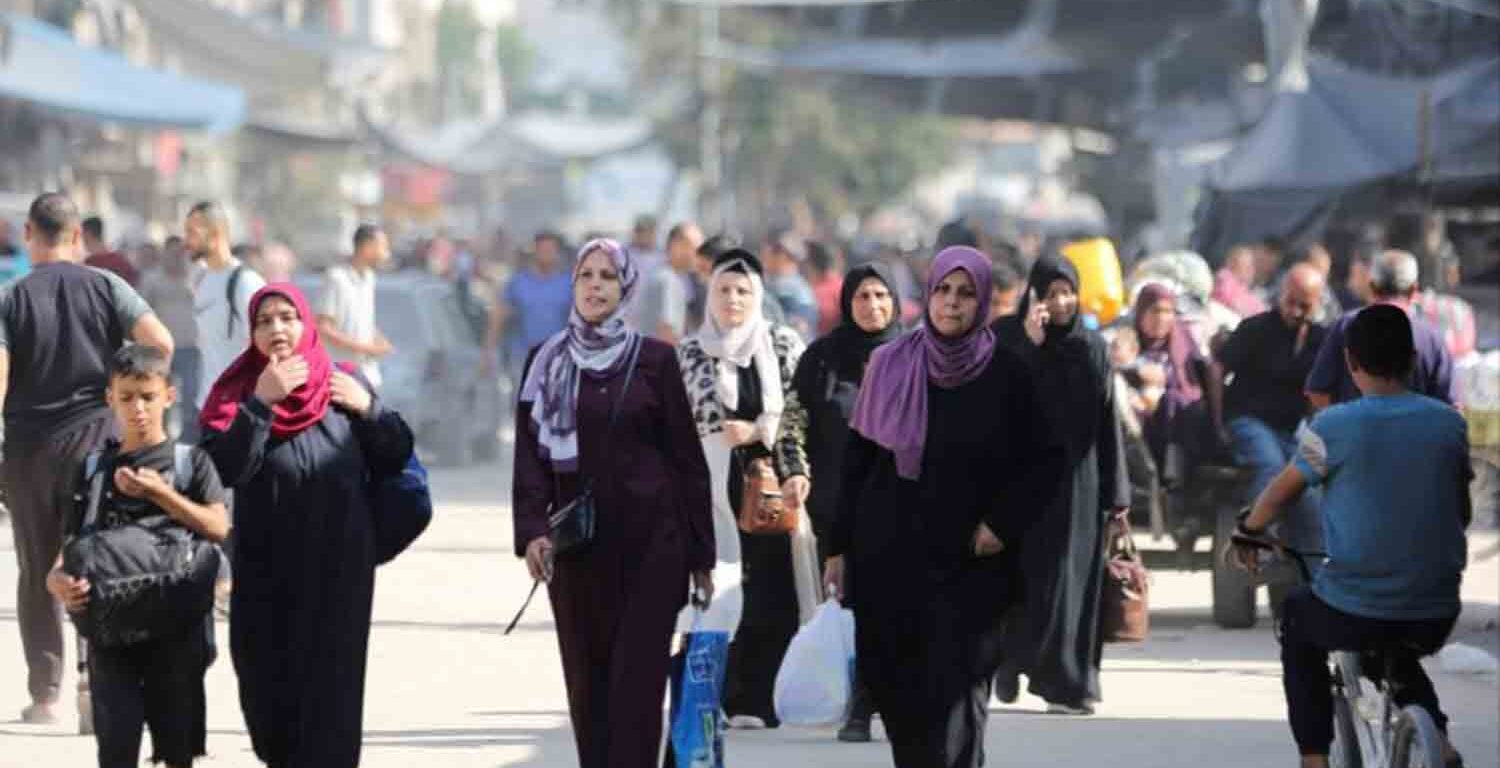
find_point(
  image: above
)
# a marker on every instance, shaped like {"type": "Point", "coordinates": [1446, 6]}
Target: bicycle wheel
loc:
{"type": "Point", "coordinates": [1416, 742]}
{"type": "Point", "coordinates": [1345, 751]}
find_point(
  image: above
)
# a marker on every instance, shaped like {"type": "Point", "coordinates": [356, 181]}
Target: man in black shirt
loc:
{"type": "Point", "coordinates": [59, 327]}
{"type": "Point", "coordinates": [1269, 355]}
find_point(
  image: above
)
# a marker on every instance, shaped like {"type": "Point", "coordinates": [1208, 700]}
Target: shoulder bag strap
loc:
{"type": "Point", "coordinates": [94, 475]}
{"type": "Point", "coordinates": [614, 415]}
{"type": "Point", "coordinates": [614, 411]}
{"type": "Point", "coordinates": [230, 289]}
{"type": "Point", "coordinates": [182, 466]}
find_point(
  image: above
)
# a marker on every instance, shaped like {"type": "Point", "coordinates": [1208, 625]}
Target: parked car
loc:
{"type": "Point", "coordinates": [435, 374]}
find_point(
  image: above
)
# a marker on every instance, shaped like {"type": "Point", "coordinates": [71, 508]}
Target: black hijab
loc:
{"type": "Point", "coordinates": [850, 345]}
{"type": "Point", "coordinates": [1049, 268]}
{"type": "Point", "coordinates": [1072, 363]}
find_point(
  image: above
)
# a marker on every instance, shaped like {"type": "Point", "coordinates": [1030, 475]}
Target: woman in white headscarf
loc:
{"type": "Point", "coordinates": [738, 370]}
{"type": "Point", "coordinates": [614, 601]}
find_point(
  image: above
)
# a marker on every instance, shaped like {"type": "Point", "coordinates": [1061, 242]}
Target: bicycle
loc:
{"type": "Point", "coordinates": [1369, 731]}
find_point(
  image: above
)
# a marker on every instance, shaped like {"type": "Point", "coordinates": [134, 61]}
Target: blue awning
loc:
{"type": "Point", "coordinates": [42, 65]}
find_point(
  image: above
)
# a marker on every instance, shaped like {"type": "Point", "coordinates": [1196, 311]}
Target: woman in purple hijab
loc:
{"type": "Point", "coordinates": [950, 460]}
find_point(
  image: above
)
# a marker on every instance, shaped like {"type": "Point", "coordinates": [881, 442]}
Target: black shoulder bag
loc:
{"type": "Point", "coordinates": [572, 526]}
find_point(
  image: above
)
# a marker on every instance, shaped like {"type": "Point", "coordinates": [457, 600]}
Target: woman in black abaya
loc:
{"type": "Point", "coordinates": [1054, 639]}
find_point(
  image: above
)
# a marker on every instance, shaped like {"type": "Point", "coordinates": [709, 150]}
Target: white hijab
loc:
{"type": "Point", "coordinates": [750, 341]}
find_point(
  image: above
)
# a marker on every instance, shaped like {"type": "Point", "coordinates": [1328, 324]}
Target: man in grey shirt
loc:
{"type": "Point", "coordinates": [59, 327]}
{"type": "Point", "coordinates": [663, 311]}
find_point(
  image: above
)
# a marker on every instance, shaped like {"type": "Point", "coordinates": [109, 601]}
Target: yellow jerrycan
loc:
{"type": "Point", "coordinates": [1103, 291]}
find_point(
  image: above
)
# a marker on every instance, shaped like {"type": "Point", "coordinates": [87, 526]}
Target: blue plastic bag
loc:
{"type": "Point", "coordinates": [697, 735]}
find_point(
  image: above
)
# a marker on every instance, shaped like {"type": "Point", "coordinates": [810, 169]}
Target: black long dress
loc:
{"type": "Point", "coordinates": [928, 613]}
{"type": "Point", "coordinates": [827, 384]}
{"type": "Point", "coordinates": [1055, 639]}
{"type": "Point", "coordinates": [304, 576]}
{"type": "Point", "coordinates": [770, 615]}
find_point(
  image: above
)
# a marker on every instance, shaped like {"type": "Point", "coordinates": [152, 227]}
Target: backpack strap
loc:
{"type": "Point", "coordinates": [182, 466]}
{"type": "Point", "coordinates": [93, 477]}
{"type": "Point", "coordinates": [230, 289]}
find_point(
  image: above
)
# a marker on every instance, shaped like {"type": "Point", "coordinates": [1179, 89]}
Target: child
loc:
{"type": "Point", "coordinates": [1125, 355]}
{"type": "Point", "coordinates": [156, 682]}
{"type": "Point", "coordinates": [1394, 469]}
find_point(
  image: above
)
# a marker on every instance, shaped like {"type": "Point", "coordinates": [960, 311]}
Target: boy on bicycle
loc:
{"type": "Point", "coordinates": [1394, 468]}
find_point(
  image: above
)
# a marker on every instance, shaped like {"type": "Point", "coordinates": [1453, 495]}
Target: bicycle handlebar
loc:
{"type": "Point", "coordinates": [1269, 544]}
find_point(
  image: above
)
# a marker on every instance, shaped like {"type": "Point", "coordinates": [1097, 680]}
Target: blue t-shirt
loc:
{"type": "Point", "coordinates": [539, 308]}
{"type": "Point", "coordinates": [1432, 376]}
{"type": "Point", "coordinates": [1395, 472]}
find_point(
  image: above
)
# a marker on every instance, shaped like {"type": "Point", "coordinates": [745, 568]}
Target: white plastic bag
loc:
{"type": "Point", "coordinates": [813, 684]}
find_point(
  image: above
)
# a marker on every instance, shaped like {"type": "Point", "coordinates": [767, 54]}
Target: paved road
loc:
{"type": "Point", "coordinates": [447, 689]}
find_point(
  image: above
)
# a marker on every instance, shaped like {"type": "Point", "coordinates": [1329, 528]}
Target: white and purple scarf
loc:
{"type": "Point", "coordinates": [602, 349]}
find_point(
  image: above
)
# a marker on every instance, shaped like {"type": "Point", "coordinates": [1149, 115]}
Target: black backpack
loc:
{"type": "Point", "coordinates": [150, 578]}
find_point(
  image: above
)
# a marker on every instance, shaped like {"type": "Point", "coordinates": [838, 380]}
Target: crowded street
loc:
{"type": "Point", "coordinates": [448, 690]}
{"type": "Point", "coordinates": [749, 383]}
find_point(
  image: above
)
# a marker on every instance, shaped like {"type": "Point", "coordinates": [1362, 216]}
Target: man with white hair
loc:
{"type": "Point", "coordinates": [1393, 280]}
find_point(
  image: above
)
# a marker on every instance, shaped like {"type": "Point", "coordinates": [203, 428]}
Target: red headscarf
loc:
{"type": "Point", "coordinates": [306, 404]}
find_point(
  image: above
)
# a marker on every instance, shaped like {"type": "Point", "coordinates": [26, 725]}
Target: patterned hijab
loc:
{"type": "Point", "coordinates": [892, 405]}
{"type": "Point", "coordinates": [601, 349]}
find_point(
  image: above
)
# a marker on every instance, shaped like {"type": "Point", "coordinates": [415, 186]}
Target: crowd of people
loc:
{"type": "Point", "coordinates": [730, 433]}
{"type": "Point", "coordinates": [288, 442]}
{"type": "Point", "coordinates": [962, 480]}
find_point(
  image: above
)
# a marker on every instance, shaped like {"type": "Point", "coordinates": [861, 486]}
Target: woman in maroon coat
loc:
{"type": "Point", "coordinates": [615, 602]}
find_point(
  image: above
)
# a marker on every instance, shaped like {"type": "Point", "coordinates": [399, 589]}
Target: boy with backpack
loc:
{"type": "Point", "coordinates": [149, 512]}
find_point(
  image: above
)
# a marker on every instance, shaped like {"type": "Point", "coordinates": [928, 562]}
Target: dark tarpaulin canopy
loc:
{"type": "Point", "coordinates": [1348, 130]}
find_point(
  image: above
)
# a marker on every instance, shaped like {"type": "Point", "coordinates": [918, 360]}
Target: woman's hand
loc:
{"type": "Point", "coordinates": [280, 378]}
{"type": "Point", "coordinates": [986, 543]}
{"type": "Point", "coordinates": [703, 589]}
{"type": "Point", "coordinates": [794, 492]}
{"type": "Point", "coordinates": [1036, 319]}
{"type": "Point", "coordinates": [539, 559]}
{"type": "Point", "coordinates": [740, 432]}
{"type": "Point", "coordinates": [72, 592]}
{"type": "Point", "coordinates": [833, 577]}
{"type": "Point", "coordinates": [350, 395]}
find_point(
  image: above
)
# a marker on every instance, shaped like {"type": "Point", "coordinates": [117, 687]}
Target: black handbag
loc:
{"type": "Point", "coordinates": [149, 578]}
{"type": "Point", "coordinates": [573, 526]}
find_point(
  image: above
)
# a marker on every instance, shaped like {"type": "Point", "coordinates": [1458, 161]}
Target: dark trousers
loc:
{"type": "Point", "coordinates": [158, 684]}
{"type": "Point", "coordinates": [1310, 629]}
{"type": "Point", "coordinates": [1265, 452]}
{"type": "Point", "coordinates": [954, 739]}
{"type": "Point", "coordinates": [750, 676]}
{"type": "Point", "coordinates": [41, 477]}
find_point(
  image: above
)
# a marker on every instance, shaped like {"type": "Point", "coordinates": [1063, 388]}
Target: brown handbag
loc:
{"type": "Point", "coordinates": [763, 511]}
{"type": "Point", "coordinates": [1124, 607]}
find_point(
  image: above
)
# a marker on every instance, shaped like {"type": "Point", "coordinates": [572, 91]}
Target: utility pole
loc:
{"type": "Point", "coordinates": [710, 119]}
